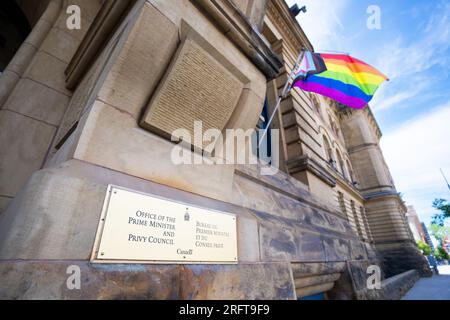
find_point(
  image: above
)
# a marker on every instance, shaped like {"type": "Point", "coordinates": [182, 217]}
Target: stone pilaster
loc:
{"type": "Point", "coordinates": [385, 210]}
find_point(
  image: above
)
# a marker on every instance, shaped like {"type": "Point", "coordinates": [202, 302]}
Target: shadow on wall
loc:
{"type": "Point", "coordinates": [14, 28]}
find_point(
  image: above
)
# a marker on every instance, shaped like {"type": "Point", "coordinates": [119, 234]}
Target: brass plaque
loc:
{"type": "Point", "coordinates": [137, 227]}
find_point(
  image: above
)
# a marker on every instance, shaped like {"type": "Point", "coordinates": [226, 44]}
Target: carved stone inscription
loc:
{"type": "Point", "coordinates": [196, 88]}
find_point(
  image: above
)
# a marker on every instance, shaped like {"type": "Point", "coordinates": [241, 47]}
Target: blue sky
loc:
{"type": "Point", "coordinates": [413, 109]}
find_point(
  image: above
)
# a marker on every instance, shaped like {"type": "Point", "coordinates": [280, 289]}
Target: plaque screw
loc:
{"type": "Point", "coordinates": [102, 254]}
{"type": "Point", "coordinates": [184, 257]}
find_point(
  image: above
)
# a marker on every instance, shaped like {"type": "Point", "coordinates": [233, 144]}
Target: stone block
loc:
{"type": "Point", "coordinates": [37, 101]}
{"type": "Point", "coordinates": [357, 250]}
{"type": "Point", "coordinates": [308, 269]}
{"type": "Point", "coordinates": [24, 143]}
{"type": "Point", "coordinates": [53, 217]}
{"type": "Point", "coordinates": [248, 240]}
{"type": "Point", "coordinates": [4, 202]}
{"type": "Point", "coordinates": [279, 243]}
{"type": "Point", "coordinates": [60, 44]}
{"type": "Point", "coordinates": [21, 59]}
{"type": "Point", "coordinates": [89, 8]}
{"type": "Point", "coordinates": [336, 249]}
{"type": "Point", "coordinates": [247, 111]}
{"type": "Point", "coordinates": [142, 62]}
{"type": "Point", "coordinates": [110, 136]}
{"type": "Point", "coordinates": [243, 281]}
{"type": "Point", "coordinates": [61, 24]}
{"type": "Point", "coordinates": [48, 280]}
{"type": "Point", "coordinates": [49, 71]}
{"type": "Point", "coordinates": [7, 81]}
{"type": "Point", "coordinates": [39, 32]}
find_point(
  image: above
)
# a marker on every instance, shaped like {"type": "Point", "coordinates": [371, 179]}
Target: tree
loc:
{"type": "Point", "coordinates": [441, 254]}
{"type": "Point", "coordinates": [440, 232]}
{"type": "Point", "coordinates": [424, 247]}
{"type": "Point", "coordinates": [443, 206]}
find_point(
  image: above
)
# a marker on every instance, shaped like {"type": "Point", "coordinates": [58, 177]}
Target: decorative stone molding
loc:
{"type": "Point", "coordinates": [236, 26]}
{"type": "Point", "coordinates": [97, 36]}
{"type": "Point", "coordinates": [303, 163]}
{"type": "Point", "coordinates": [278, 11]}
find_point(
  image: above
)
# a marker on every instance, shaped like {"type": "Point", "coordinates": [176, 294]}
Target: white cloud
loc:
{"type": "Point", "coordinates": [407, 64]}
{"type": "Point", "coordinates": [414, 86]}
{"type": "Point", "coordinates": [415, 152]}
{"type": "Point", "coordinates": [381, 103]}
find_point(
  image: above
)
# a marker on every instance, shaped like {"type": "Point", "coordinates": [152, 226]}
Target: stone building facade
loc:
{"type": "Point", "coordinates": [414, 224]}
{"type": "Point", "coordinates": [81, 109]}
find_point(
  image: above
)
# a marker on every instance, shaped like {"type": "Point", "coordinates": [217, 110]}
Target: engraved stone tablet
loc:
{"type": "Point", "coordinates": [142, 228]}
{"type": "Point", "coordinates": [196, 88]}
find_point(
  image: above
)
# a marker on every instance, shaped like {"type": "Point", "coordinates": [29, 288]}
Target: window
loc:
{"type": "Point", "coordinates": [333, 126]}
{"type": "Point", "coordinates": [328, 152]}
{"type": "Point", "coordinates": [366, 224]}
{"type": "Point", "coordinates": [262, 124]}
{"type": "Point", "coordinates": [341, 164]}
{"type": "Point", "coordinates": [351, 173]}
{"type": "Point", "coordinates": [356, 218]}
{"type": "Point", "coordinates": [342, 204]}
{"type": "Point", "coordinates": [316, 105]}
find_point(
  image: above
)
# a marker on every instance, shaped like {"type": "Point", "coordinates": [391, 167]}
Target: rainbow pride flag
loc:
{"type": "Point", "coordinates": [347, 80]}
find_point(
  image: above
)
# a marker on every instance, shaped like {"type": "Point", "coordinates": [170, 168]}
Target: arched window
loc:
{"type": "Point", "coordinates": [341, 164]}
{"type": "Point", "coordinates": [328, 152]}
{"type": "Point", "coordinates": [350, 172]}
{"type": "Point", "coordinates": [316, 104]}
{"type": "Point", "coordinates": [333, 126]}
{"type": "Point", "coordinates": [336, 130]}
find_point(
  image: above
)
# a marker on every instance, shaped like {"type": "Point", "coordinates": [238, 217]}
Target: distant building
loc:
{"type": "Point", "coordinates": [414, 224]}
{"type": "Point", "coordinates": [427, 237]}
{"type": "Point", "coordinates": [446, 245]}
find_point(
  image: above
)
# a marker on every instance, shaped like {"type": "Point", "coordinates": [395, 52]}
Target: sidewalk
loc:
{"type": "Point", "coordinates": [434, 288]}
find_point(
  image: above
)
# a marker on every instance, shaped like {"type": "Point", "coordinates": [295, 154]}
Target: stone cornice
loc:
{"type": "Point", "coordinates": [303, 163]}
{"type": "Point", "coordinates": [292, 32]}
{"type": "Point", "coordinates": [286, 185]}
{"type": "Point", "coordinates": [385, 194]}
{"type": "Point", "coordinates": [350, 188]}
{"type": "Point", "coordinates": [237, 28]}
{"type": "Point", "coordinates": [361, 147]}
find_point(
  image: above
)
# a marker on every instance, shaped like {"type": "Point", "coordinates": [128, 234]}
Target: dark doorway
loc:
{"type": "Point", "coordinates": [14, 28]}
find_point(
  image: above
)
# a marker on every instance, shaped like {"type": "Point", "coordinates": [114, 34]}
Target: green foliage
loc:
{"type": "Point", "coordinates": [440, 232]}
{"type": "Point", "coordinates": [424, 247]}
{"type": "Point", "coordinates": [441, 254]}
{"type": "Point", "coordinates": [443, 206]}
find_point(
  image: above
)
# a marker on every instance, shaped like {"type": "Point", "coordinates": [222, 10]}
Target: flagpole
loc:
{"type": "Point", "coordinates": [282, 94]}
{"type": "Point", "coordinates": [442, 172]}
